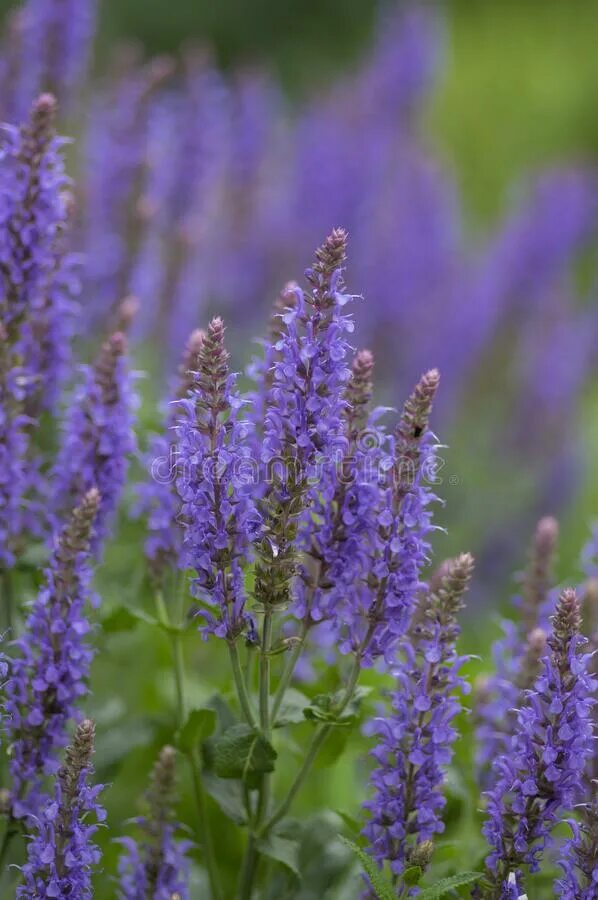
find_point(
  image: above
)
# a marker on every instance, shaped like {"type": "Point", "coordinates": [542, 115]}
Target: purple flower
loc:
{"type": "Point", "coordinates": [56, 38]}
{"type": "Point", "coordinates": [214, 481]}
{"type": "Point", "coordinates": [416, 738]}
{"type": "Point", "coordinates": [37, 279]}
{"type": "Point", "coordinates": [158, 498]}
{"type": "Point", "coordinates": [156, 866]}
{"type": "Point", "coordinates": [61, 856]}
{"type": "Point", "coordinates": [579, 857]}
{"type": "Point", "coordinates": [98, 437]}
{"type": "Point", "coordinates": [541, 775]}
{"type": "Point", "coordinates": [379, 608]}
{"type": "Point", "coordinates": [114, 168]}
{"type": "Point", "coordinates": [304, 421]}
{"type": "Point", "coordinates": [517, 655]}
{"type": "Point", "coordinates": [49, 672]}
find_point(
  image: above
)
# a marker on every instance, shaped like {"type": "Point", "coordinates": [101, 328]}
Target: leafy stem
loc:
{"type": "Point", "coordinates": [192, 755]}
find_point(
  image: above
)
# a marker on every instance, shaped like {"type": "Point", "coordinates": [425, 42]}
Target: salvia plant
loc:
{"type": "Point", "coordinates": [253, 684]}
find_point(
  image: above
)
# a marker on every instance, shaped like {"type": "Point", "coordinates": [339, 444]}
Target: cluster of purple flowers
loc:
{"type": "Point", "coordinates": [541, 775]}
{"type": "Point", "coordinates": [50, 667]}
{"type": "Point", "coordinates": [217, 510]}
{"type": "Point", "coordinates": [416, 738]}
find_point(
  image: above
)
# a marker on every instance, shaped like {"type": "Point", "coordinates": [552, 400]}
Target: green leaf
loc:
{"type": "Point", "coordinates": [291, 710]}
{"type": "Point", "coordinates": [199, 725]}
{"type": "Point", "coordinates": [228, 795]}
{"type": "Point", "coordinates": [120, 619]}
{"type": "Point", "coordinates": [125, 618]}
{"type": "Point", "coordinates": [283, 850]}
{"type": "Point", "coordinates": [442, 887]}
{"type": "Point", "coordinates": [323, 708]}
{"type": "Point", "coordinates": [412, 875]}
{"type": "Point", "coordinates": [333, 747]}
{"type": "Point", "coordinates": [383, 888]}
{"type": "Point", "coordinates": [242, 752]}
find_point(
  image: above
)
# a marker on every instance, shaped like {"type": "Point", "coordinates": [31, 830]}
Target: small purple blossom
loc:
{"type": "Point", "coordinates": [416, 738]}
{"type": "Point", "coordinates": [380, 607]}
{"type": "Point", "coordinates": [61, 855]}
{"type": "Point", "coordinates": [158, 497]}
{"type": "Point", "coordinates": [215, 478]}
{"type": "Point", "coordinates": [541, 775]}
{"type": "Point", "coordinates": [517, 655]}
{"type": "Point", "coordinates": [98, 437]}
{"type": "Point", "coordinates": [50, 668]}
{"type": "Point", "coordinates": [304, 422]}
{"type": "Point", "coordinates": [156, 866]}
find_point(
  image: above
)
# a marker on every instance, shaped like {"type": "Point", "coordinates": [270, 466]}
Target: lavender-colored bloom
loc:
{"type": "Point", "coordinates": [416, 738]}
{"type": "Point", "coordinates": [98, 436]}
{"type": "Point", "coordinates": [517, 656]}
{"type": "Point", "coordinates": [156, 866]}
{"type": "Point", "coordinates": [541, 775]}
{"type": "Point", "coordinates": [49, 672]}
{"type": "Point", "coordinates": [158, 498]}
{"type": "Point", "coordinates": [304, 420]}
{"type": "Point", "coordinates": [38, 274]}
{"type": "Point", "coordinates": [61, 855]}
{"type": "Point", "coordinates": [579, 857]}
{"type": "Point", "coordinates": [215, 479]}
{"type": "Point", "coordinates": [56, 37]}
{"type": "Point", "coordinates": [381, 606]}
{"type": "Point", "coordinates": [114, 172]}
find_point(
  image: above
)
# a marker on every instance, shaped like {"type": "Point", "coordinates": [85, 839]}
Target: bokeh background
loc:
{"type": "Point", "coordinates": [509, 99]}
{"type": "Point", "coordinates": [458, 143]}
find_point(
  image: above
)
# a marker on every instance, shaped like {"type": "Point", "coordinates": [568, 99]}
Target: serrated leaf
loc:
{"type": "Point", "coordinates": [442, 887]}
{"type": "Point", "coordinates": [382, 887]}
{"type": "Point", "coordinates": [283, 850]}
{"type": "Point", "coordinates": [291, 710]}
{"type": "Point", "coordinates": [228, 795]}
{"type": "Point", "coordinates": [242, 752]}
{"type": "Point", "coordinates": [199, 725]}
{"type": "Point", "coordinates": [412, 875]}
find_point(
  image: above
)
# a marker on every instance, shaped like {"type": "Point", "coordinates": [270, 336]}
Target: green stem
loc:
{"type": "Point", "coordinates": [248, 869]}
{"type": "Point", "coordinates": [240, 684]}
{"type": "Point", "coordinates": [287, 674]}
{"type": "Point", "coordinates": [203, 828]}
{"type": "Point", "coordinates": [265, 674]}
{"type": "Point", "coordinates": [251, 857]}
{"type": "Point", "coordinates": [317, 741]}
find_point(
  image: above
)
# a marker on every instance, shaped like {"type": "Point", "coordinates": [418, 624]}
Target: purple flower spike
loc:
{"type": "Point", "coordinates": [56, 40]}
{"type": "Point", "coordinates": [98, 437]}
{"type": "Point", "coordinates": [416, 738]}
{"type": "Point", "coordinates": [215, 481]}
{"type": "Point", "coordinates": [541, 775]}
{"type": "Point", "coordinates": [382, 606]}
{"type": "Point", "coordinates": [304, 420]}
{"type": "Point", "coordinates": [517, 656]}
{"type": "Point", "coordinates": [156, 866]}
{"type": "Point", "coordinates": [344, 507]}
{"type": "Point", "coordinates": [49, 672]}
{"type": "Point", "coordinates": [579, 857]}
{"type": "Point", "coordinates": [159, 499]}
{"type": "Point", "coordinates": [61, 856]}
